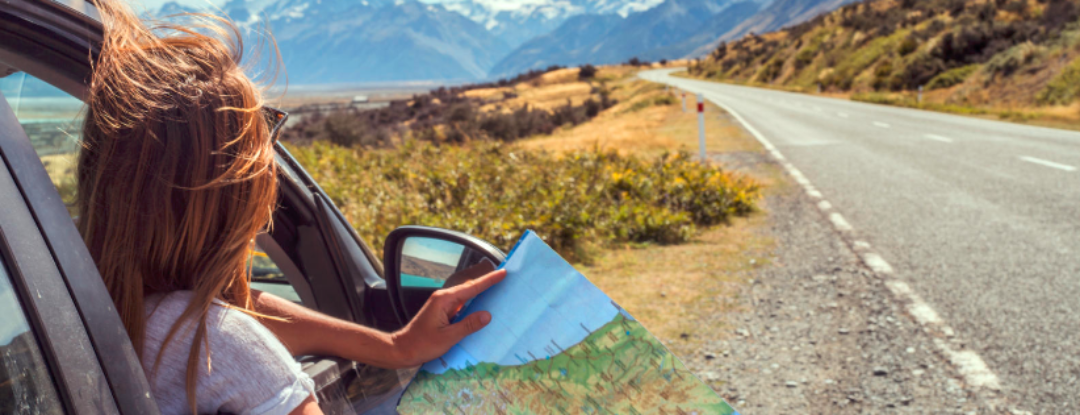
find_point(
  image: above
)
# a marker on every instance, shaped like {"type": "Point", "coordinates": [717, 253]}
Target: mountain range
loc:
{"type": "Point", "coordinates": [349, 41]}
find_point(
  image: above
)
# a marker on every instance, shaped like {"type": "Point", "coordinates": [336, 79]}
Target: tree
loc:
{"type": "Point", "coordinates": [587, 72]}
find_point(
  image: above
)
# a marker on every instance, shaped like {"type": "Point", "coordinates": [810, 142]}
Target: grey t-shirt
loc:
{"type": "Point", "coordinates": [251, 372]}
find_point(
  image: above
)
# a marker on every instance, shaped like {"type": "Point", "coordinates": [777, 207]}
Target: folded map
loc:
{"type": "Point", "coordinates": [556, 344]}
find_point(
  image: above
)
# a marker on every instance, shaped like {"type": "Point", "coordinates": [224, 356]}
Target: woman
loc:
{"type": "Point", "coordinates": [176, 178]}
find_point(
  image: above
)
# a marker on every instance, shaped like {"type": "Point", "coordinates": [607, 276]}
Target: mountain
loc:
{"type": "Point", "coordinates": [346, 41]}
{"type": "Point", "coordinates": [777, 15]}
{"type": "Point", "coordinates": [601, 39]}
{"type": "Point", "coordinates": [516, 22]}
{"type": "Point", "coordinates": [962, 53]}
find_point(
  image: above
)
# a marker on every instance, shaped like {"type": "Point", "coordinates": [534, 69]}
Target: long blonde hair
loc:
{"type": "Point", "coordinates": [177, 174]}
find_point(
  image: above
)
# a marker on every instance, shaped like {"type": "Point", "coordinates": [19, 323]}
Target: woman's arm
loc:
{"type": "Point", "coordinates": [428, 336]}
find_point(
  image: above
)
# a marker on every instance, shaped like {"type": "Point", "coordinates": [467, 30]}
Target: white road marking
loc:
{"type": "Point", "coordinates": [969, 364]}
{"type": "Point", "coordinates": [1048, 163]}
{"type": "Point", "coordinates": [881, 124]}
{"type": "Point", "coordinates": [877, 263]}
{"type": "Point", "coordinates": [840, 223]}
{"type": "Point", "coordinates": [842, 114]}
{"type": "Point", "coordinates": [824, 205]}
{"type": "Point", "coordinates": [938, 138]}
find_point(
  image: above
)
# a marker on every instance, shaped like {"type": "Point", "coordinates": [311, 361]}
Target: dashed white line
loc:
{"type": "Point", "coordinates": [1048, 163]}
{"type": "Point", "coordinates": [881, 124]}
{"type": "Point", "coordinates": [842, 114]}
{"type": "Point", "coordinates": [840, 223]}
{"type": "Point", "coordinates": [942, 139]}
{"type": "Point", "coordinates": [969, 364]}
{"type": "Point", "coordinates": [877, 263]}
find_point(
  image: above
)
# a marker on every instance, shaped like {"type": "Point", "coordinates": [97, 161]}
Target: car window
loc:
{"type": "Point", "coordinates": [25, 384]}
{"type": "Point", "coordinates": [267, 276]}
{"type": "Point", "coordinates": [52, 119]}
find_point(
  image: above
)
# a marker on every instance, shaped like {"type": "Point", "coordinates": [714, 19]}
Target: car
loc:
{"type": "Point", "coordinates": [63, 348]}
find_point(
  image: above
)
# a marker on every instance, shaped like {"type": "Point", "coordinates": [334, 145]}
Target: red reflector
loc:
{"type": "Point", "coordinates": [701, 107]}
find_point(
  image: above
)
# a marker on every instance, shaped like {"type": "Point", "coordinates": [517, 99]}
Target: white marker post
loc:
{"type": "Point", "coordinates": [701, 125]}
{"type": "Point", "coordinates": [919, 100]}
{"type": "Point", "coordinates": [683, 102]}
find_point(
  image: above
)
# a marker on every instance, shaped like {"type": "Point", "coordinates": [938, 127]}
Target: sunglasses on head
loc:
{"type": "Point", "coordinates": [275, 118]}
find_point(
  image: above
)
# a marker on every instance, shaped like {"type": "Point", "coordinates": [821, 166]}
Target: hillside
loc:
{"type": "Point", "coordinates": [997, 54]}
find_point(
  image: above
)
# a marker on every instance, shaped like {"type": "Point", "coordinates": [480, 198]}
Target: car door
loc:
{"type": "Point", "coordinates": [312, 255]}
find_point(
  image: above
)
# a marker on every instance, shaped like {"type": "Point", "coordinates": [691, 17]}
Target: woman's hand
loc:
{"type": "Point", "coordinates": [430, 334]}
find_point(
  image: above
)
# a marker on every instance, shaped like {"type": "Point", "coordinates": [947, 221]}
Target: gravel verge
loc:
{"type": "Point", "coordinates": [818, 332]}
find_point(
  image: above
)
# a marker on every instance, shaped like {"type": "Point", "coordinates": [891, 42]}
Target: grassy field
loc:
{"type": "Point", "coordinates": [672, 288]}
{"type": "Point", "coordinates": [669, 284]}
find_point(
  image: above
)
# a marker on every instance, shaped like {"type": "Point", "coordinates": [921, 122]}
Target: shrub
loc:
{"type": "Point", "coordinates": [951, 77]}
{"type": "Point", "coordinates": [587, 72]}
{"type": "Point", "coordinates": [1006, 63]}
{"type": "Point", "coordinates": [496, 192]}
{"type": "Point", "coordinates": [1064, 88]}
{"type": "Point", "coordinates": [908, 45]}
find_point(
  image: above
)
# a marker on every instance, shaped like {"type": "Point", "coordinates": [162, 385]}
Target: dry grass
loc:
{"type": "Point", "coordinates": [649, 131]}
{"type": "Point", "coordinates": [671, 289]}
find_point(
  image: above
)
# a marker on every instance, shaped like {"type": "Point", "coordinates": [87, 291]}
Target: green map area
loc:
{"type": "Point", "coordinates": [618, 369]}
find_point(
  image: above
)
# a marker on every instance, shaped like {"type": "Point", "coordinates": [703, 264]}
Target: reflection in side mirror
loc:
{"type": "Point", "coordinates": [421, 260]}
{"type": "Point", "coordinates": [436, 263]}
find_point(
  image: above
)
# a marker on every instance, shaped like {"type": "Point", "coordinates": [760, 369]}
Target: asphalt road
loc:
{"type": "Point", "coordinates": [981, 218]}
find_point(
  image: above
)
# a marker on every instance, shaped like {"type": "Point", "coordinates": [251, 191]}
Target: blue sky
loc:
{"type": "Point", "coordinates": [155, 4]}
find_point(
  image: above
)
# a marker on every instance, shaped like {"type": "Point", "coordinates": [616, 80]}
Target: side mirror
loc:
{"type": "Point", "coordinates": [419, 260]}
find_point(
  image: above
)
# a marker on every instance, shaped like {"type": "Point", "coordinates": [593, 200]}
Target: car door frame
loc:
{"type": "Point", "coordinates": [56, 42]}
{"type": "Point", "coordinates": [43, 290]}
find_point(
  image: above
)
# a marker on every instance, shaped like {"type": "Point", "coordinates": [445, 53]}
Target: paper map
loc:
{"type": "Point", "coordinates": [556, 344]}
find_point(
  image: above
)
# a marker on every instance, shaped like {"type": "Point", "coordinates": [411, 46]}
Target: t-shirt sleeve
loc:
{"type": "Point", "coordinates": [251, 371]}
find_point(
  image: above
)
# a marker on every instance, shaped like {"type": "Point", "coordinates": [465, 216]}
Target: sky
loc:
{"type": "Point", "coordinates": [156, 4]}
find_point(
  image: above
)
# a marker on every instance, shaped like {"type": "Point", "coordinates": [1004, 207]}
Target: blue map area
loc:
{"type": "Point", "coordinates": [542, 307]}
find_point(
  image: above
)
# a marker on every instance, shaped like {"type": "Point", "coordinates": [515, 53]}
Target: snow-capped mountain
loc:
{"type": "Point", "coordinates": [517, 21]}
{"type": "Point", "coordinates": [343, 41]}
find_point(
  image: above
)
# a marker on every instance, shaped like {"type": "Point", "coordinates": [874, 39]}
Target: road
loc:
{"type": "Point", "coordinates": [980, 218]}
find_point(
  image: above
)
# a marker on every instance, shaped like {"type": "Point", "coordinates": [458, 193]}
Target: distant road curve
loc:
{"type": "Point", "coordinates": [980, 218]}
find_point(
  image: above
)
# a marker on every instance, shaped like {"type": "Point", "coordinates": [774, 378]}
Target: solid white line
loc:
{"type": "Point", "coordinates": [1048, 163]}
{"type": "Point", "coordinates": [842, 115]}
{"type": "Point", "coordinates": [938, 138]}
{"type": "Point", "coordinates": [881, 124]}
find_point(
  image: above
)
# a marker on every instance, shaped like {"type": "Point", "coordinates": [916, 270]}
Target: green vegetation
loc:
{"type": "Point", "coordinates": [951, 77]}
{"type": "Point", "coordinates": [649, 102]}
{"type": "Point", "coordinates": [1064, 88]}
{"type": "Point", "coordinates": [573, 201]}
{"type": "Point", "coordinates": [1024, 51]}
{"type": "Point", "coordinates": [619, 368]}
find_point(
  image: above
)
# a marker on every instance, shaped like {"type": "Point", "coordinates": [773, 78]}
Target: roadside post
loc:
{"type": "Point", "coordinates": [684, 102]}
{"type": "Point", "coordinates": [919, 99]}
{"type": "Point", "coordinates": [701, 125]}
